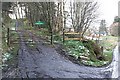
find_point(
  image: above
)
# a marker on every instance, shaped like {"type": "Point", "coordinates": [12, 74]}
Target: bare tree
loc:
{"type": "Point", "coordinates": [82, 15]}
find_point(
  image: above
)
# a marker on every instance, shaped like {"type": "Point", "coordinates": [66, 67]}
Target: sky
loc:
{"type": "Point", "coordinates": [108, 10]}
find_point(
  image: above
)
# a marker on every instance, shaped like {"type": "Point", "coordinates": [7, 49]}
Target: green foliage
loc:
{"type": "Point", "coordinates": [6, 6]}
{"type": "Point", "coordinates": [108, 55]}
{"type": "Point", "coordinates": [90, 47]}
{"type": "Point", "coordinates": [6, 56]}
{"type": "Point", "coordinates": [97, 63]}
{"type": "Point", "coordinates": [57, 38]}
{"type": "Point", "coordinates": [116, 19]}
{"type": "Point", "coordinates": [75, 48]}
{"type": "Point", "coordinates": [109, 41]}
{"type": "Point", "coordinates": [9, 54]}
{"type": "Point", "coordinates": [78, 49]}
{"type": "Point", "coordinates": [102, 28]}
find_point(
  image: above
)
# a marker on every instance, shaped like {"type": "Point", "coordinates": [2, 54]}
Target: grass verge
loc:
{"type": "Point", "coordinates": [10, 53]}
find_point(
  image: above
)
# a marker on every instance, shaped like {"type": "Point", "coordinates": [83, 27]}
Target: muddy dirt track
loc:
{"type": "Point", "coordinates": [44, 62]}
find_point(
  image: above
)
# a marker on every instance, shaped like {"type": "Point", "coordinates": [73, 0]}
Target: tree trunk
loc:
{"type": "Point", "coordinates": [49, 23]}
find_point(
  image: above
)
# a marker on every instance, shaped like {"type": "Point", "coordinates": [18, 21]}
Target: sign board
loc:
{"type": "Point", "coordinates": [39, 23]}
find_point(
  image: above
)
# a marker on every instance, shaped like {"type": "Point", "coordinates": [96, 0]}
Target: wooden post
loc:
{"type": "Point", "coordinates": [8, 35]}
{"type": "Point", "coordinates": [63, 36]}
{"type": "Point", "coordinates": [102, 49]}
{"type": "Point", "coordinates": [80, 35]}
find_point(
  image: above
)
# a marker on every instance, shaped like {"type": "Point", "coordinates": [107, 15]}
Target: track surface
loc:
{"type": "Point", "coordinates": [44, 62]}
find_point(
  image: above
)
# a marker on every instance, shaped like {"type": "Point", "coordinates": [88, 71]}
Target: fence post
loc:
{"type": "Point", "coordinates": [8, 35]}
{"type": "Point", "coordinates": [63, 36]}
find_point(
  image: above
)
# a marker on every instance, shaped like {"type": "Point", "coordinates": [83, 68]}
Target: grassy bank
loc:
{"type": "Point", "coordinates": [10, 52]}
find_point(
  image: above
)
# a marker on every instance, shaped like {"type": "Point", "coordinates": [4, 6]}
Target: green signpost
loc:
{"type": "Point", "coordinates": [39, 23]}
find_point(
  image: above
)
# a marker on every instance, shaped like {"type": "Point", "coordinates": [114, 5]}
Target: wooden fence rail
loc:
{"type": "Point", "coordinates": [72, 33]}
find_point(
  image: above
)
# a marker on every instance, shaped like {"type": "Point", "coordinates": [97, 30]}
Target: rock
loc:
{"type": "Point", "coordinates": [84, 58]}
